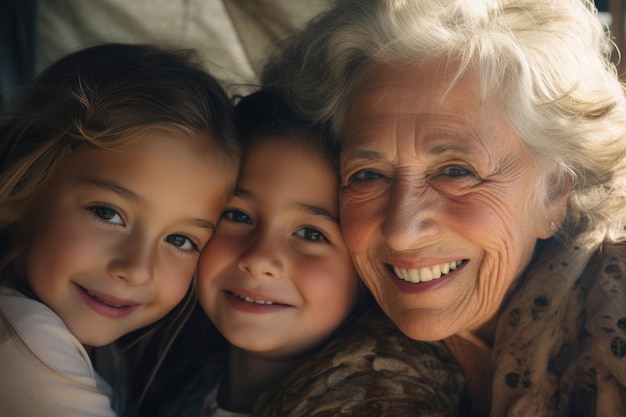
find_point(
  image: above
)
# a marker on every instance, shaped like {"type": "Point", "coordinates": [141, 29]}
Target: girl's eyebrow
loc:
{"type": "Point", "coordinates": [304, 207]}
{"type": "Point", "coordinates": [240, 192]}
{"type": "Point", "coordinates": [112, 186]}
{"type": "Point", "coordinates": [315, 210]}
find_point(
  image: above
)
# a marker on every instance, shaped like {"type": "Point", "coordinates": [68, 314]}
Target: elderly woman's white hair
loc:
{"type": "Point", "coordinates": [547, 61]}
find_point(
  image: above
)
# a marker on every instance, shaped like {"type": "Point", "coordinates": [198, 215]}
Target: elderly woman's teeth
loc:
{"type": "Point", "coordinates": [251, 300]}
{"type": "Point", "coordinates": [425, 274]}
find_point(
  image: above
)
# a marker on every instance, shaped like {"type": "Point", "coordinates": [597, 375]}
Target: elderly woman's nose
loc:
{"type": "Point", "coordinates": [409, 218]}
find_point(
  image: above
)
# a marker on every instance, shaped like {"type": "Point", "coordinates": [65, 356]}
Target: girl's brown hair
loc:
{"type": "Point", "coordinates": [105, 97]}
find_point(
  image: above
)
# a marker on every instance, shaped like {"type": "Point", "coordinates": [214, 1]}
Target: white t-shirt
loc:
{"type": "Point", "coordinates": [49, 374]}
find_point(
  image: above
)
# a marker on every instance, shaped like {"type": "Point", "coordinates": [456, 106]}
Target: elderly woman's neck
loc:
{"type": "Point", "coordinates": [474, 354]}
{"type": "Point", "coordinates": [487, 332]}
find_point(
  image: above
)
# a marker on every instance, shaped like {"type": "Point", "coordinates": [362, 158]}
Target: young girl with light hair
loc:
{"type": "Point", "coordinates": [114, 169]}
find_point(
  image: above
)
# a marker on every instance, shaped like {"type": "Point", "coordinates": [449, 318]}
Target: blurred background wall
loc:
{"type": "Point", "coordinates": [233, 36]}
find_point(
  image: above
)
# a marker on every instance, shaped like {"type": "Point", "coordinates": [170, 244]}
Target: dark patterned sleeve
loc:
{"type": "Point", "coordinates": [371, 370]}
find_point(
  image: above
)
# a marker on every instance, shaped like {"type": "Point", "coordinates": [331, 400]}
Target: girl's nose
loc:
{"type": "Point", "coordinates": [134, 261]}
{"type": "Point", "coordinates": [262, 259]}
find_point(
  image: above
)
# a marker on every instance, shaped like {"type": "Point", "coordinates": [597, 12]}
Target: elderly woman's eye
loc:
{"type": "Point", "coordinates": [455, 171]}
{"type": "Point", "coordinates": [365, 175]}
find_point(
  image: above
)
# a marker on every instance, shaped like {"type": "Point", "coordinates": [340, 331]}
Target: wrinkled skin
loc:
{"type": "Point", "coordinates": [433, 175]}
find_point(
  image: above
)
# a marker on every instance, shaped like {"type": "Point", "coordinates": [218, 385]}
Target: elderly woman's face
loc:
{"type": "Point", "coordinates": [435, 200]}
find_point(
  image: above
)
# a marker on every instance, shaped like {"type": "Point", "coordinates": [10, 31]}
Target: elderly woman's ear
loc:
{"type": "Point", "coordinates": [556, 206]}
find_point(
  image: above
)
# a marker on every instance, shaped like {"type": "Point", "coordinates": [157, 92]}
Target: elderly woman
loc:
{"type": "Point", "coordinates": [483, 198]}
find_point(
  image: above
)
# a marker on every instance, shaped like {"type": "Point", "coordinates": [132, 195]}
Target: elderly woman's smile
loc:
{"type": "Point", "coordinates": [426, 274]}
{"type": "Point", "coordinates": [430, 183]}
{"type": "Point", "coordinates": [482, 155]}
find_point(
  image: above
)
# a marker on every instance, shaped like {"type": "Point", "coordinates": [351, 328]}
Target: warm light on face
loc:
{"type": "Point", "coordinates": [277, 277]}
{"type": "Point", "coordinates": [434, 202]}
{"type": "Point", "coordinates": [118, 234]}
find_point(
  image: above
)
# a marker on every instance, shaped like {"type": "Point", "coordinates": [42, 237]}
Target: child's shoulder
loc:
{"type": "Point", "coordinates": [29, 325]}
{"type": "Point", "coordinates": [29, 318]}
{"type": "Point", "coordinates": [44, 362]}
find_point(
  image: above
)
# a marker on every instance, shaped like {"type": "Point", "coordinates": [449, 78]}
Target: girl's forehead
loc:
{"type": "Point", "coordinates": [285, 169]}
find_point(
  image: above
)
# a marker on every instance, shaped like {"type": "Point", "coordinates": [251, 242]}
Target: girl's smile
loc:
{"type": "Point", "coordinates": [113, 248]}
{"type": "Point", "coordinates": [276, 278]}
{"type": "Point", "coordinates": [254, 305]}
{"type": "Point", "coordinates": [107, 305]}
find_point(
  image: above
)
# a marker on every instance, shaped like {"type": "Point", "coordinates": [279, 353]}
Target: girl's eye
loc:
{"type": "Point", "coordinates": [455, 172]}
{"type": "Point", "coordinates": [181, 242]}
{"type": "Point", "coordinates": [237, 216]}
{"type": "Point", "coordinates": [309, 233]}
{"type": "Point", "coordinates": [107, 214]}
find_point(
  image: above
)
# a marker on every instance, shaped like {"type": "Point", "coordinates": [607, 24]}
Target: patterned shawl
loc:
{"type": "Point", "coordinates": [371, 369]}
{"type": "Point", "coordinates": [560, 347]}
